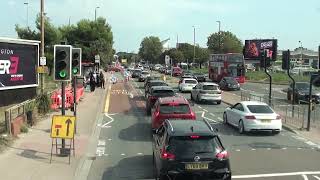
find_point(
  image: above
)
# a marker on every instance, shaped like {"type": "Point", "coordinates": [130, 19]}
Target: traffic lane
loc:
{"type": "Point", "coordinates": [124, 149]}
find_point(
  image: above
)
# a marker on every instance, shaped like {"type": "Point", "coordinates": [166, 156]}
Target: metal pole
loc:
{"type": "Point", "coordinates": [219, 22]}
{"type": "Point", "coordinates": [309, 104]}
{"type": "Point", "coordinates": [194, 44]}
{"type": "Point", "coordinates": [95, 14]}
{"type": "Point", "coordinates": [75, 100]}
{"type": "Point", "coordinates": [42, 42]}
{"type": "Point", "coordinates": [293, 83]}
{"type": "Point", "coordinates": [27, 3]}
{"type": "Point", "coordinates": [63, 112]}
{"type": "Point", "coordinates": [270, 78]}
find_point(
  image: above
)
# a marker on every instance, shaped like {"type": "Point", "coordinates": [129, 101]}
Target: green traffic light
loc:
{"type": "Point", "coordinates": [75, 70]}
{"type": "Point", "coordinates": [62, 74]}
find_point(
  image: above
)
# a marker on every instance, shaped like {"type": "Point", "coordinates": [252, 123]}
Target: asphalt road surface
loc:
{"type": "Point", "coordinates": [124, 149]}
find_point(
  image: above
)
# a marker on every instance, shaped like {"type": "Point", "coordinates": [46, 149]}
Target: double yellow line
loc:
{"type": "Point", "coordinates": [106, 107]}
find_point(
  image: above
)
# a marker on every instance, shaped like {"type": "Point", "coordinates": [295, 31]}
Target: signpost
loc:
{"type": "Point", "coordinates": [62, 127]}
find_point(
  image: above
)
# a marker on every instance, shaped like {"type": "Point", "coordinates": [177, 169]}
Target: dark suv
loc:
{"type": "Point", "coordinates": [189, 149]}
{"type": "Point", "coordinates": [301, 93]}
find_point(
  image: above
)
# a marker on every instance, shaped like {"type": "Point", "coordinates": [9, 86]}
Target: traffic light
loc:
{"type": "Point", "coordinates": [286, 60]}
{"type": "Point", "coordinates": [62, 62]}
{"type": "Point", "coordinates": [264, 59]}
{"type": "Point", "coordinates": [76, 61]}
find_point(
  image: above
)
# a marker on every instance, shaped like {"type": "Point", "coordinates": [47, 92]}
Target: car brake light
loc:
{"type": "Point", "coordinates": [157, 113]}
{"type": "Point", "coordinates": [167, 155]}
{"type": "Point", "coordinates": [194, 137]}
{"type": "Point", "coordinates": [193, 115]}
{"type": "Point", "coordinates": [222, 155]}
{"type": "Point", "coordinates": [250, 117]}
{"type": "Point", "coordinates": [278, 117]}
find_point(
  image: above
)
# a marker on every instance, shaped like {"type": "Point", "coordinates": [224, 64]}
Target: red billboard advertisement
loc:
{"type": "Point", "coordinates": [253, 48]}
{"type": "Point", "coordinates": [18, 64]}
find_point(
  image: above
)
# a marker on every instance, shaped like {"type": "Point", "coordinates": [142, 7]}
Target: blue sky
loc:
{"type": "Point", "coordinates": [286, 20]}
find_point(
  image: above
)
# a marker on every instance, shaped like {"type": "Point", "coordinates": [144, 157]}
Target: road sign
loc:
{"type": "Point", "coordinates": [43, 69]}
{"type": "Point", "coordinates": [43, 61]}
{"type": "Point", "coordinates": [123, 61]}
{"type": "Point", "coordinates": [63, 126]}
{"type": "Point", "coordinates": [97, 58]}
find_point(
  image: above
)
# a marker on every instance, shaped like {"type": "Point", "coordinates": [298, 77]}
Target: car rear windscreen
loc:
{"type": "Point", "coordinates": [144, 73]}
{"type": "Point", "coordinates": [260, 109]}
{"type": "Point", "coordinates": [174, 109]}
{"type": "Point", "coordinates": [158, 84]}
{"type": "Point", "coordinates": [210, 87]}
{"type": "Point", "coordinates": [185, 145]}
{"type": "Point", "coordinates": [163, 93]}
{"type": "Point", "coordinates": [190, 81]}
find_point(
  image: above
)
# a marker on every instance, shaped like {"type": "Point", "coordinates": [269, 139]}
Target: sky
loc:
{"type": "Point", "coordinates": [289, 21]}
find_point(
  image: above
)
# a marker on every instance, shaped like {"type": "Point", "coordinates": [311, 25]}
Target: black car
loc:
{"type": "Point", "coordinates": [301, 93]}
{"type": "Point", "coordinates": [199, 77]}
{"type": "Point", "coordinates": [136, 73]}
{"type": "Point", "coordinates": [186, 148]}
{"type": "Point", "coordinates": [150, 78]}
{"type": "Point", "coordinates": [229, 83]}
{"type": "Point", "coordinates": [153, 83]}
{"type": "Point", "coordinates": [155, 93]}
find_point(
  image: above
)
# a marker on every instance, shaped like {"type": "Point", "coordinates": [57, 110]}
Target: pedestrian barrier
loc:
{"type": "Point", "coordinates": [69, 97]}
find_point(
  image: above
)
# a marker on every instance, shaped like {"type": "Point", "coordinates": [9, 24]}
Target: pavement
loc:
{"type": "Point", "coordinates": [29, 156]}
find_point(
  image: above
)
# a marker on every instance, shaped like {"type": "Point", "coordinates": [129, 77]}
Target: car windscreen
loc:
{"type": "Point", "coordinates": [210, 87]}
{"type": "Point", "coordinates": [231, 80]}
{"type": "Point", "coordinates": [186, 145]}
{"type": "Point", "coordinates": [136, 71]}
{"type": "Point", "coordinates": [260, 109]}
{"type": "Point", "coordinates": [190, 81]}
{"type": "Point", "coordinates": [163, 93]}
{"type": "Point", "coordinates": [302, 85]}
{"type": "Point", "coordinates": [158, 84]}
{"type": "Point", "coordinates": [174, 109]}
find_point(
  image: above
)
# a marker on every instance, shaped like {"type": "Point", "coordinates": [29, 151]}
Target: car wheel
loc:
{"type": "Point", "coordinates": [241, 127]}
{"type": "Point", "coordinates": [275, 132]}
{"type": "Point", "coordinates": [191, 97]}
{"type": "Point", "coordinates": [219, 102]}
{"type": "Point", "coordinates": [225, 119]}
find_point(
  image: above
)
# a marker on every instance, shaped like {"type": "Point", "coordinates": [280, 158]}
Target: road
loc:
{"type": "Point", "coordinates": [124, 149]}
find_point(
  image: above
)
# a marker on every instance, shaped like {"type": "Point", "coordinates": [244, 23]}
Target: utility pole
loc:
{"type": "Point", "coordinates": [95, 13]}
{"type": "Point", "coordinates": [194, 44]}
{"type": "Point", "coordinates": [177, 46]}
{"type": "Point", "coordinates": [42, 42]}
{"type": "Point", "coordinates": [69, 20]}
{"type": "Point", "coordinates": [219, 22]}
{"type": "Point", "coordinates": [27, 4]}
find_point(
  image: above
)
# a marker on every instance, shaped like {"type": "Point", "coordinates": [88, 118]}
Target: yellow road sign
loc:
{"type": "Point", "coordinates": [43, 70]}
{"type": "Point", "coordinates": [63, 126]}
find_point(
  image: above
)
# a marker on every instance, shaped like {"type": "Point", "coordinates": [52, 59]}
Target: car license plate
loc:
{"type": "Point", "coordinates": [196, 166]}
{"type": "Point", "coordinates": [265, 120]}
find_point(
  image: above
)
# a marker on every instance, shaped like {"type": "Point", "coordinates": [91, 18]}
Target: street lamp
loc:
{"type": "Point", "coordinates": [27, 4]}
{"type": "Point", "coordinates": [95, 13]}
{"type": "Point", "coordinates": [194, 44]}
{"type": "Point", "coordinates": [219, 22]}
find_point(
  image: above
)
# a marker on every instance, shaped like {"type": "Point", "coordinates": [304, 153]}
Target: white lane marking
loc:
{"type": "Point", "coordinates": [109, 139]}
{"type": "Point", "coordinates": [139, 153]}
{"type": "Point", "coordinates": [284, 148]}
{"type": "Point", "coordinates": [105, 125]}
{"type": "Point", "coordinates": [317, 177]}
{"type": "Point", "coordinates": [212, 120]}
{"type": "Point", "coordinates": [198, 112]}
{"type": "Point", "coordinates": [299, 148]}
{"type": "Point", "coordinates": [304, 177]}
{"type": "Point", "coordinates": [220, 119]}
{"type": "Point", "coordinates": [268, 148]}
{"type": "Point", "coordinates": [212, 114]}
{"type": "Point", "coordinates": [131, 95]}
{"type": "Point", "coordinates": [101, 142]}
{"type": "Point", "coordinates": [199, 107]}
{"type": "Point", "coordinates": [238, 150]}
{"type": "Point", "coordinates": [253, 149]}
{"type": "Point", "coordinates": [311, 143]}
{"type": "Point", "coordinates": [123, 154]}
{"type": "Point", "coordinates": [275, 175]}
{"type": "Point", "coordinates": [205, 110]}
{"type": "Point", "coordinates": [100, 151]}
{"type": "Point", "coordinates": [203, 114]}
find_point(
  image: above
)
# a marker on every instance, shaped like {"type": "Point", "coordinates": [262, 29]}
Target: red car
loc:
{"type": "Point", "coordinates": [171, 108]}
{"type": "Point", "coordinates": [176, 71]}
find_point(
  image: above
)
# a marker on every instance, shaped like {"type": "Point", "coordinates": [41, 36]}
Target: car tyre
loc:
{"type": "Point", "coordinates": [219, 102]}
{"type": "Point", "coordinates": [241, 127]}
{"type": "Point", "coordinates": [225, 119]}
{"type": "Point", "coordinates": [191, 97]}
{"type": "Point", "coordinates": [289, 96]}
{"type": "Point", "coordinates": [275, 132]}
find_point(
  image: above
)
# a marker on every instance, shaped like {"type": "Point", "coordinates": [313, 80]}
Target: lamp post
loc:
{"type": "Point", "coordinates": [95, 13]}
{"type": "Point", "coordinates": [27, 4]}
{"type": "Point", "coordinates": [219, 22]}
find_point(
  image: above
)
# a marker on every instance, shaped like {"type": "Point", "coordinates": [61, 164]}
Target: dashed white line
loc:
{"type": "Point", "coordinates": [268, 148]}
{"type": "Point", "coordinates": [109, 139]}
{"type": "Point", "coordinates": [284, 148]}
{"type": "Point", "coordinates": [212, 120]}
{"type": "Point", "coordinates": [123, 154]}
{"type": "Point", "coordinates": [212, 114]}
{"type": "Point", "coordinates": [238, 150]}
{"type": "Point", "coordinates": [139, 153]}
{"type": "Point", "coordinates": [304, 177]}
{"type": "Point", "coordinates": [203, 114]}
{"type": "Point", "coordinates": [200, 107]}
{"type": "Point", "coordinates": [253, 149]}
{"type": "Point", "coordinates": [205, 110]}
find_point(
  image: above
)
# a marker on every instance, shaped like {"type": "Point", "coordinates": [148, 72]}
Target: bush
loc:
{"type": "Point", "coordinates": [24, 128]}
{"type": "Point", "coordinates": [43, 102]}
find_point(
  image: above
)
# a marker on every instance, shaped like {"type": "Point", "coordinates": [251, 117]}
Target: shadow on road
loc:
{"type": "Point", "coordinates": [137, 167]}
{"type": "Point", "coordinates": [136, 132]}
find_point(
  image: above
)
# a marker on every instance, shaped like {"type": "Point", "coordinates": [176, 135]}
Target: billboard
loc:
{"type": "Point", "coordinates": [253, 48]}
{"type": "Point", "coordinates": [18, 64]}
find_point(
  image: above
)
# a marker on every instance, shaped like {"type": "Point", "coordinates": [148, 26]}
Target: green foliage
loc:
{"type": "Point", "coordinates": [24, 128]}
{"type": "Point", "coordinates": [229, 43]}
{"type": "Point", "coordinates": [27, 33]}
{"type": "Point", "coordinates": [201, 54]}
{"type": "Point", "coordinates": [131, 57]}
{"type": "Point", "coordinates": [150, 49]}
{"type": "Point", "coordinates": [276, 77]}
{"type": "Point", "coordinates": [43, 102]}
{"type": "Point", "coordinates": [30, 106]}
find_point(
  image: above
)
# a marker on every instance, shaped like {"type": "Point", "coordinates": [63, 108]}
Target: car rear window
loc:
{"type": "Point", "coordinates": [145, 72]}
{"type": "Point", "coordinates": [158, 84]}
{"type": "Point", "coordinates": [163, 93]}
{"type": "Point", "coordinates": [190, 81]}
{"type": "Point", "coordinates": [260, 109]}
{"type": "Point", "coordinates": [210, 87]}
{"type": "Point", "coordinates": [185, 145]}
{"type": "Point", "coordinates": [174, 109]}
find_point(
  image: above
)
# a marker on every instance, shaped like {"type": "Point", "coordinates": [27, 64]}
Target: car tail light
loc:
{"type": "Point", "coordinates": [156, 114]}
{"type": "Point", "coordinates": [222, 155]}
{"type": "Point", "coordinates": [278, 117]}
{"type": "Point", "coordinates": [250, 117]}
{"type": "Point", "coordinates": [167, 155]}
{"type": "Point", "coordinates": [193, 116]}
{"type": "Point", "coordinates": [194, 137]}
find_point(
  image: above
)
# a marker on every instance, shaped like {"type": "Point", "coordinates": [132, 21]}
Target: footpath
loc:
{"type": "Point", "coordinates": [29, 156]}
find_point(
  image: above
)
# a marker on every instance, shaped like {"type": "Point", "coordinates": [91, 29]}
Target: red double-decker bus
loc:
{"type": "Point", "coordinates": [227, 65]}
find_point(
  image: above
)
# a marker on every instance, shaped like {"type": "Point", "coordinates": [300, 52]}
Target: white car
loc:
{"type": "Point", "coordinates": [187, 84]}
{"type": "Point", "coordinates": [253, 116]}
{"type": "Point", "coordinates": [206, 91]}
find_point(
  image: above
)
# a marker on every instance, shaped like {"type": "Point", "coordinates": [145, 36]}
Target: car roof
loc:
{"type": "Point", "coordinates": [189, 127]}
{"type": "Point", "coordinates": [209, 83]}
{"type": "Point", "coordinates": [162, 88]}
{"type": "Point", "coordinates": [246, 103]}
{"type": "Point", "coordinates": [189, 79]}
{"type": "Point", "coordinates": [176, 99]}
{"type": "Point", "coordinates": [146, 72]}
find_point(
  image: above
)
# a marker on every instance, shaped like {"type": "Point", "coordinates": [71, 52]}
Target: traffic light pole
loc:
{"type": "Point", "coordinates": [310, 100]}
{"type": "Point", "coordinates": [75, 100]}
{"type": "Point", "coordinates": [63, 112]}
{"type": "Point", "coordinates": [270, 77]}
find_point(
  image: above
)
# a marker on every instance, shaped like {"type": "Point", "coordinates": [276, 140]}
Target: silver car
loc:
{"type": "Point", "coordinates": [206, 91]}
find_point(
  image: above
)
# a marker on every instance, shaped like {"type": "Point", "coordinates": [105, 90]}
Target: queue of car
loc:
{"type": "Point", "coordinates": [183, 145]}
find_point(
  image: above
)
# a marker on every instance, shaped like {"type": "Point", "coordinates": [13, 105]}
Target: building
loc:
{"type": "Point", "coordinates": [303, 56]}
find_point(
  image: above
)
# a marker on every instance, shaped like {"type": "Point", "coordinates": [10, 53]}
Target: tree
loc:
{"type": "Point", "coordinates": [229, 43]}
{"type": "Point", "coordinates": [150, 49]}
